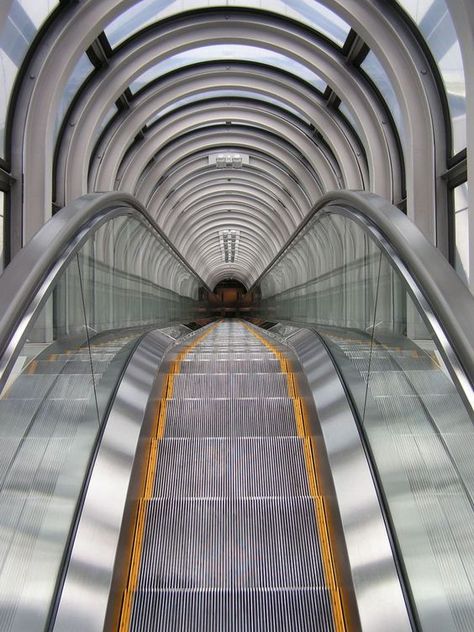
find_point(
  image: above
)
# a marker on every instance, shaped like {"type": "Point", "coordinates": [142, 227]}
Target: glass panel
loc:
{"type": "Point", "coordinates": [376, 72]}
{"type": "Point", "coordinates": [16, 34]}
{"type": "Point", "coordinates": [81, 71]}
{"type": "Point", "coordinates": [308, 12]}
{"type": "Point", "coordinates": [434, 21]}
{"type": "Point", "coordinates": [2, 230]}
{"type": "Point", "coordinates": [338, 279]}
{"type": "Point", "coordinates": [122, 282]}
{"type": "Point", "coordinates": [461, 231]}
{"type": "Point", "coordinates": [231, 52]}
{"type": "Point", "coordinates": [222, 94]}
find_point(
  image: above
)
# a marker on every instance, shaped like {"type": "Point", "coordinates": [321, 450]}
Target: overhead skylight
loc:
{"type": "Point", "coordinates": [18, 28]}
{"type": "Point", "coordinates": [230, 52]}
{"type": "Point", "coordinates": [307, 12]}
{"type": "Point", "coordinates": [434, 21]}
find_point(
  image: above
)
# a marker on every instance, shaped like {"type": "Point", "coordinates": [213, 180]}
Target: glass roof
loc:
{"type": "Point", "coordinates": [372, 66]}
{"type": "Point", "coordinates": [434, 21]}
{"type": "Point", "coordinates": [16, 34]}
{"type": "Point", "coordinates": [307, 12]}
{"type": "Point", "coordinates": [223, 94]}
{"type": "Point", "coordinates": [234, 52]}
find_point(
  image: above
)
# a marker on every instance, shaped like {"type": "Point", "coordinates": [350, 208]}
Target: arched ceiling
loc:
{"type": "Point", "coordinates": [222, 119]}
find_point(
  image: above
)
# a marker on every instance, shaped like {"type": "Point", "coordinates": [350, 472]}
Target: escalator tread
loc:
{"type": "Point", "coordinates": [229, 531]}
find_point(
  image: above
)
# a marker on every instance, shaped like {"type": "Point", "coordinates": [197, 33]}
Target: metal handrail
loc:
{"type": "Point", "coordinates": [25, 277]}
{"type": "Point", "coordinates": [449, 299]}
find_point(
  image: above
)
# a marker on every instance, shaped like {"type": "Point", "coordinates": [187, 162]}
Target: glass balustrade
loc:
{"type": "Point", "coordinates": [337, 278]}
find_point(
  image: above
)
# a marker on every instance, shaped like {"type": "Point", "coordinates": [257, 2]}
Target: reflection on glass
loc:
{"type": "Point", "coordinates": [461, 231]}
{"type": "Point", "coordinates": [434, 21]}
{"type": "Point", "coordinates": [123, 281]}
{"type": "Point", "coordinates": [307, 12]}
{"type": "Point", "coordinates": [81, 71]}
{"type": "Point", "coordinates": [374, 69]}
{"type": "Point", "coordinates": [231, 52]}
{"type": "Point", "coordinates": [19, 29]}
{"type": "Point", "coordinates": [2, 230]}
{"type": "Point", "coordinates": [336, 278]}
{"type": "Point", "coordinates": [223, 94]}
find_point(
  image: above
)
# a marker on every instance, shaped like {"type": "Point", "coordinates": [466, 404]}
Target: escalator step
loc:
{"type": "Point", "coordinates": [230, 417]}
{"type": "Point", "coordinates": [239, 611]}
{"type": "Point", "coordinates": [230, 366]}
{"type": "Point", "coordinates": [230, 385]}
{"type": "Point", "coordinates": [230, 544]}
{"type": "Point", "coordinates": [257, 467]}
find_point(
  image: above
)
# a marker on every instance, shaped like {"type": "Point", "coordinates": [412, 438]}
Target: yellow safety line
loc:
{"type": "Point", "coordinates": [314, 488]}
{"type": "Point", "coordinates": [159, 430]}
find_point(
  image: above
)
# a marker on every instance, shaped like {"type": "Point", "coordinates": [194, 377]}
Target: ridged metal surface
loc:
{"type": "Point", "coordinates": [224, 544]}
{"type": "Point", "coordinates": [231, 537]}
{"type": "Point", "coordinates": [226, 417]}
{"type": "Point", "coordinates": [302, 610]}
{"type": "Point", "coordinates": [230, 385]}
{"type": "Point", "coordinates": [270, 365]}
{"type": "Point", "coordinates": [241, 467]}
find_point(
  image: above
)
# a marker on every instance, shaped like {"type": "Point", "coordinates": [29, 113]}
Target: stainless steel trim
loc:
{"type": "Point", "coordinates": [95, 554]}
{"type": "Point", "coordinates": [372, 570]}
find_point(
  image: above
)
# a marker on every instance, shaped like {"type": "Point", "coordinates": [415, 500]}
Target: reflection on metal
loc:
{"type": "Point", "coordinates": [372, 569]}
{"type": "Point", "coordinates": [115, 477]}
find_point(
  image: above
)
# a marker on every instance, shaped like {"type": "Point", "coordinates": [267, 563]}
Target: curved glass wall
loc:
{"type": "Point", "coordinates": [228, 52]}
{"type": "Point", "coordinates": [337, 278]}
{"type": "Point", "coordinates": [20, 20]}
{"type": "Point", "coordinates": [123, 281]}
{"type": "Point", "coordinates": [435, 23]}
{"type": "Point", "coordinates": [307, 12]}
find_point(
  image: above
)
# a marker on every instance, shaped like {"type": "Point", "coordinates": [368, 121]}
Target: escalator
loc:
{"type": "Point", "coordinates": [231, 533]}
{"type": "Point", "coordinates": [160, 470]}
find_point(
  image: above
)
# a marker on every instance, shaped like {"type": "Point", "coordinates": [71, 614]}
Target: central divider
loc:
{"type": "Point", "coordinates": [231, 531]}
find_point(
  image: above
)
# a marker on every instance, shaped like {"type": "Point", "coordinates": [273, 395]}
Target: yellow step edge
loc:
{"type": "Point", "coordinates": [320, 511]}
{"type": "Point", "coordinates": [312, 481]}
{"type": "Point", "coordinates": [134, 570]}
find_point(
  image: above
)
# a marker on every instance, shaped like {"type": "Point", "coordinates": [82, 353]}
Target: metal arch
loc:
{"type": "Point", "coordinates": [247, 139]}
{"type": "Point", "coordinates": [240, 176]}
{"type": "Point", "coordinates": [243, 209]}
{"type": "Point", "coordinates": [401, 55]}
{"type": "Point", "coordinates": [217, 77]}
{"type": "Point", "coordinates": [243, 204]}
{"type": "Point", "coordinates": [260, 231]}
{"type": "Point", "coordinates": [72, 39]}
{"type": "Point", "coordinates": [243, 28]}
{"type": "Point", "coordinates": [270, 149]}
{"type": "Point", "coordinates": [217, 114]}
{"type": "Point", "coordinates": [196, 168]}
{"type": "Point", "coordinates": [207, 184]}
{"type": "Point", "coordinates": [212, 193]}
{"type": "Point", "coordinates": [462, 13]}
